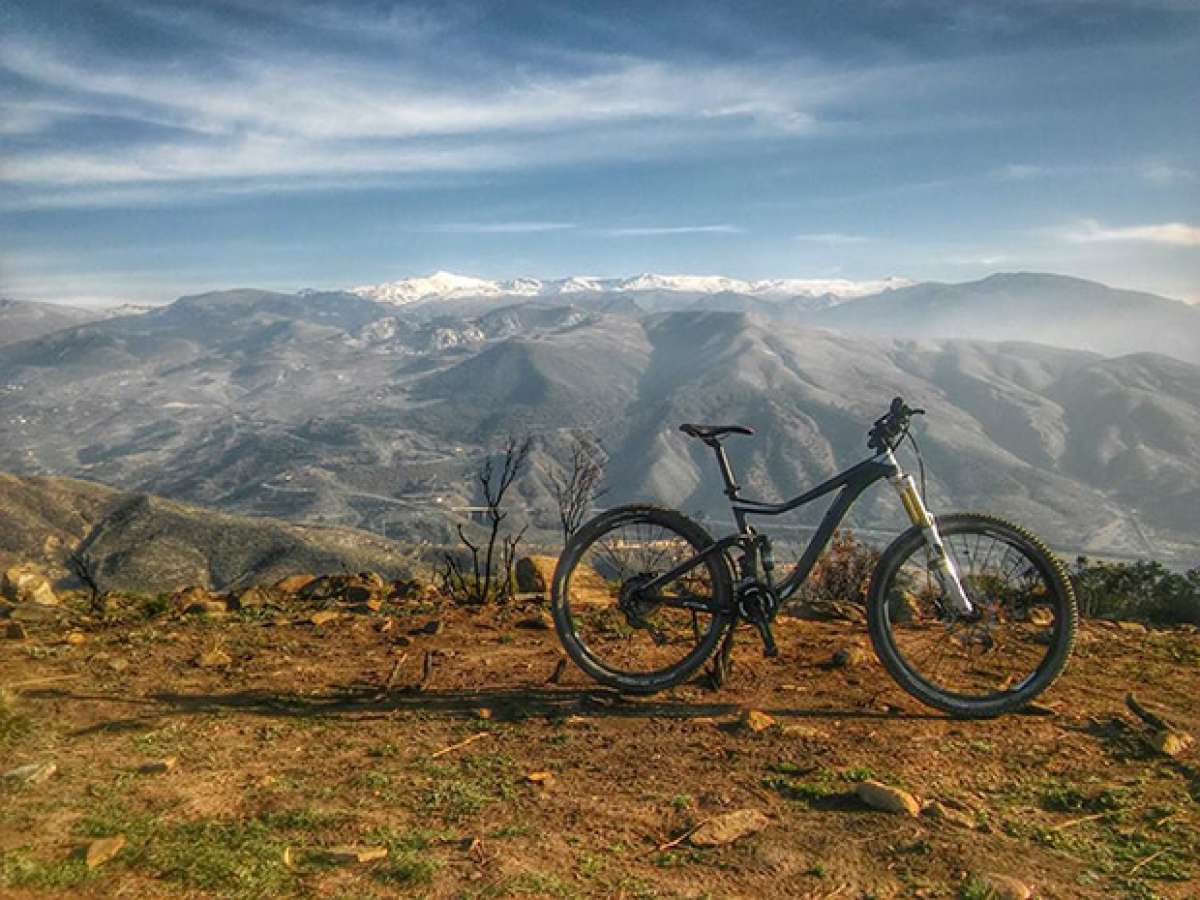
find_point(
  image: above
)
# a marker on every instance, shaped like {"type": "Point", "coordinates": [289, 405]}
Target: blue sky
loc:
{"type": "Point", "coordinates": [153, 149]}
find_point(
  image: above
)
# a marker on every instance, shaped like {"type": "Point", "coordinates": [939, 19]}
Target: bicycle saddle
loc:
{"type": "Point", "coordinates": [709, 432]}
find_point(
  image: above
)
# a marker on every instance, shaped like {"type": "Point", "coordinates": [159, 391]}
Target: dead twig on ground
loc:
{"type": "Point", "coordinates": [472, 739]}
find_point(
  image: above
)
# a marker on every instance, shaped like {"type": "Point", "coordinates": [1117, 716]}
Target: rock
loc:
{"type": "Point", "coordinates": [729, 827]}
{"type": "Point", "coordinates": [804, 732]}
{"type": "Point", "coordinates": [540, 621]}
{"type": "Point", "coordinates": [756, 720]}
{"type": "Point", "coordinates": [534, 574]}
{"type": "Point", "coordinates": [433, 626]}
{"type": "Point", "coordinates": [213, 659]}
{"type": "Point", "coordinates": [187, 597]}
{"type": "Point", "coordinates": [254, 597]}
{"type": "Point", "coordinates": [322, 616]}
{"type": "Point", "coordinates": [544, 779]}
{"type": "Point", "coordinates": [25, 584]}
{"type": "Point", "coordinates": [904, 606]}
{"type": "Point", "coordinates": [887, 798]}
{"type": "Point", "coordinates": [1171, 742]}
{"type": "Point", "coordinates": [935, 809]}
{"type": "Point", "coordinates": [159, 766]}
{"type": "Point", "coordinates": [74, 638]}
{"type": "Point", "coordinates": [1132, 627]}
{"type": "Point", "coordinates": [33, 773]}
{"type": "Point", "coordinates": [367, 607]}
{"type": "Point", "coordinates": [357, 854]}
{"type": "Point", "coordinates": [483, 713]}
{"type": "Point", "coordinates": [293, 584]}
{"type": "Point", "coordinates": [118, 664]}
{"type": "Point", "coordinates": [212, 607]}
{"type": "Point", "coordinates": [849, 657]}
{"type": "Point", "coordinates": [413, 589]}
{"type": "Point", "coordinates": [15, 631]}
{"type": "Point", "coordinates": [101, 851]}
{"type": "Point", "coordinates": [1002, 887]}
{"type": "Point", "coordinates": [36, 612]}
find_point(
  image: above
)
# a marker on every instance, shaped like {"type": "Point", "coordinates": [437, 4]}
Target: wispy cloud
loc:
{"type": "Point", "coordinates": [831, 237]}
{"type": "Point", "coordinates": [664, 230]}
{"type": "Point", "coordinates": [1090, 231]}
{"type": "Point", "coordinates": [1164, 174]}
{"type": "Point", "coordinates": [495, 227]}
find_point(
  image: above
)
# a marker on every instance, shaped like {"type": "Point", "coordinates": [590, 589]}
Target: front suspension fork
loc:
{"type": "Point", "coordinates": [943, 565]}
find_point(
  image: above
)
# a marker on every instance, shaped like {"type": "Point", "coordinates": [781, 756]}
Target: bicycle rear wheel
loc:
{"type": "Point", "coordinates": [614, 632]}
{"type": "Point", "coordinates": [996, 660]}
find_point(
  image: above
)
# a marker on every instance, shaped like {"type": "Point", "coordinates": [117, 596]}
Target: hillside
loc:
{"type": "Point", "coordinates": [1049, 309]}
{"type": "Point", "coordinates": [21, 320]}
{"type": "Point", "coordinates": [142, 542]}
{"type": "Point", "coordinates": [339, 410]}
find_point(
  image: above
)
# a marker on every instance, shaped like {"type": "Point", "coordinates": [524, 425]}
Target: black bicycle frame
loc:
{"type": "Point", "coordinates": [852, 483]}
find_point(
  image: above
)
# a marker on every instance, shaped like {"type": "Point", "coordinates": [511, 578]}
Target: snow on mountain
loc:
{"type": "Point", "coordinates": [447, 286]}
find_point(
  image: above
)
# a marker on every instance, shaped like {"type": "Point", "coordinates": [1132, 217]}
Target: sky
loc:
{"type": "Point", "coordinates": [154, 149]}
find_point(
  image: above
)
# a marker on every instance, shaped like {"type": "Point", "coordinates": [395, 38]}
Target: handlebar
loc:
{"type": "Point", "coordinates": [890, 428]}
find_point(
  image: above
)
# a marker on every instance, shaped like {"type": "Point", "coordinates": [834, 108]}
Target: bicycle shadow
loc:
{"type": "Point", "coordinates": [502, 704]}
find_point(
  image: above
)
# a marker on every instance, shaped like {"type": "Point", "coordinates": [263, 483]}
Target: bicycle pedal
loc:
{"type": "Point", "coordinates": [770, 649]}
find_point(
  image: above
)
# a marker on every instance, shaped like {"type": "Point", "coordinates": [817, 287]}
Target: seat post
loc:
{"type": "Point", "coordinates": [731, 486]}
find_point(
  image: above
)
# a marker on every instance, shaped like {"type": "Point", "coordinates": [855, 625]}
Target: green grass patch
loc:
{"type": "Point", "coordinates": [456, 791]}
{"type": "Point", "coordinates": [21, 869]}
{"type": "Point", "coordinates": [14, 725]}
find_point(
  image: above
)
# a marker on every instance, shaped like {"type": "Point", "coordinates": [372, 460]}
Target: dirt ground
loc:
{"type": "Point", "coordinates": [288, 742]}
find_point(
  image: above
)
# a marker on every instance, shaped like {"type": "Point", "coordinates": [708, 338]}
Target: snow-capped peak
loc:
{"type": "Point", "coordinates": [448, 286]}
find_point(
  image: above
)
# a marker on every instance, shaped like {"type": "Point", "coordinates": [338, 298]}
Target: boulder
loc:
{"type": "Point", "coordinates": [535, 574]}
{"type": "Point", "coordinates": [254, 597]}
{"type": "Point", "coordinates": [25, 584]}
{"type": "Point", "coordinates": [884, 797]}
{"type": "Point", "coordinates": [293, 584]}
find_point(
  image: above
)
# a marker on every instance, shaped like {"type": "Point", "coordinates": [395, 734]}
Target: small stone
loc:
{"type": "Point", "coordinates": [288, 857]}
{"type": "Point", "coordinates": [729, 827]}
{"type": "Point", "coordinates": [483, 713]}
{"type": "Point", "coordinates": [32, 773]}
{"type": "Point", "coordinates": [539, 621]}
{"type": "Point", "coordinates": [757, 721]}
{"type": "Point", "coordinates": [540, 778]}
{"type": "Point", "coordinates": [213, 659]}
{"type": "Point", "coordinates": [935, 809]}
{"type": "Point", "coordinates": [804, 732]}
{"type": "Point", "coordinates": [1171, 743]}
{"type": "Point", "coordinates": [101, 851]}
{"type": "Point", "coordinates": [159, 766]}
{"type": "Point", "coordinates": [74, 638]}
{"type": "Point", "coordinates": [118, 664]}
{"type": "Point", "coordinates": [15, 631]}
{"type": "Point", "coordinates": [323, 616]}
{"type": "Point", "coordinates": [357, 854]}
{"type": "Point", "coordinates": [849, 657]}
{"type": "Point", "coordinates": [887, 798]}
{"type": "Point", "coordinates": [433, 626]}
{"type": "Point", "coordinates": [1002, 887]}
{"type": "Point", "coordinates": [1132, 627]}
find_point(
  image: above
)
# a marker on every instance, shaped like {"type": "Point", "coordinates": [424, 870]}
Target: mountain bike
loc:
{"type": "Point", "coordinates": [969, 613]}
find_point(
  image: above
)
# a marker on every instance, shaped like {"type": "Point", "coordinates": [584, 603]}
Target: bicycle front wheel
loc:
{"type": "Point", "coordinates": [1013, 645]}
{"type": "Point", "coordinates": [634, 640]}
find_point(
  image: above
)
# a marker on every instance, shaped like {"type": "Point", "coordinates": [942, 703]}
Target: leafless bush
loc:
{"type": "Point", "coordinates": [491, 572]}
{"type": "Point", "coordinates": [577, 485]}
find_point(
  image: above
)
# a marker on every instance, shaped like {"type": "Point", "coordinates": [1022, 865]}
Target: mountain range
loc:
{"type": "Point", "coordinates": [373, 408]}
